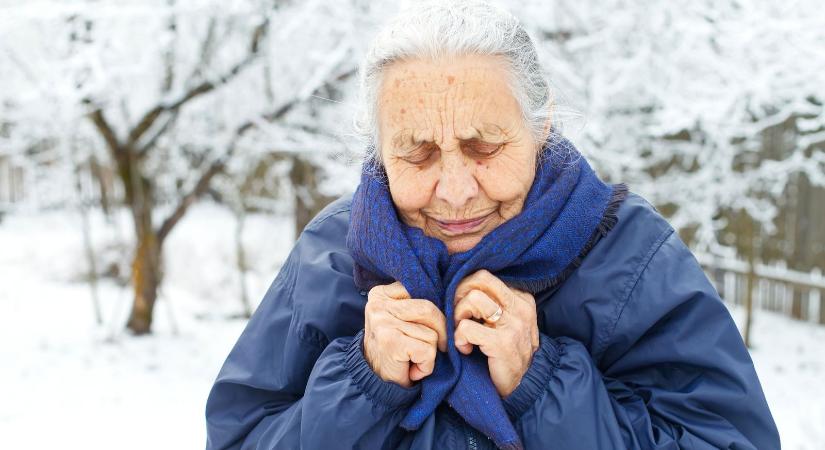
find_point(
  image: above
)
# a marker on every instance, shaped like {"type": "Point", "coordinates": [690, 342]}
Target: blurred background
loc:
{"type": "Point", "coordinates": [158, 158]}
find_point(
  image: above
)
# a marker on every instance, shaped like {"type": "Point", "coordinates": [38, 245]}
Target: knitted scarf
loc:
{"type": "Point", "coordinates": [565, 212]}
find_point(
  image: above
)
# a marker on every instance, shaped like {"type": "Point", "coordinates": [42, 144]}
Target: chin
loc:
{"type": "Point", "coordinates": [462, 244]}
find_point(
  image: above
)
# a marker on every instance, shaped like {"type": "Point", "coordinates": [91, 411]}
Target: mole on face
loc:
{"type": "Point", "coordinates": [403, 110]}
{"type": "Point", "coordinates": [450, 79]}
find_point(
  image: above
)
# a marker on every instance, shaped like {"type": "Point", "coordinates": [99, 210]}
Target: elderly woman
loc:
{"type": "Point", "coordinates": [483, 288]}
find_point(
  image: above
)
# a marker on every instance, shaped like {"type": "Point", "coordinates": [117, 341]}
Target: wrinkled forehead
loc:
{"type": "Point", "coordinates": [425, 96]}
{"type": "Point", "coordinates": [437, 76]}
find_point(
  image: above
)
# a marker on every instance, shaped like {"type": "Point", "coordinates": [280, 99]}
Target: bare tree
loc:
{"type": "Point", "coordinates": [214, 87]}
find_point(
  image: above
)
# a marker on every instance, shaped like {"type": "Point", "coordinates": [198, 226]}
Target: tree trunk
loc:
{"type": "Point", "coordinates": [240, 258]}
{"type": "Point", "coordinates": [146, 273]}
{"type": "Point", "coordinates": [145, 282]}
{"type": "Point", "coordinates": [308, 201]}
{"type": "Point", "coordinates": [88, 248]}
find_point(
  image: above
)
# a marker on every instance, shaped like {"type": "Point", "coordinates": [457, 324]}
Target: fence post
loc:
{"type": "Point", "coordinates": [821, 306]}
{"type": "Point", "coordinates": [751, 278]}
{"type": "Point", "coordinates": [817, 274]}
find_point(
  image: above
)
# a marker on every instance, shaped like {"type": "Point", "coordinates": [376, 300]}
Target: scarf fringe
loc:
{"type": "Point", "coordinates": [609, 220]}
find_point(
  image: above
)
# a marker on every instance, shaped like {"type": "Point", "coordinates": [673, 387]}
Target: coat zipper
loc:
{"type": "Point", "coordinates": [472, 443]}
{"type": "Point", "coordinates": [474, 438]}
{"type": "Point", "coordinates": [471, 436]}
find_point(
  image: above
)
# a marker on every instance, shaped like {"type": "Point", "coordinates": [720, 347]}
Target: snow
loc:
{"type": "Point", "coordinates": [790, 361]}
{"type": "Point", "coordinates": [68, 382]}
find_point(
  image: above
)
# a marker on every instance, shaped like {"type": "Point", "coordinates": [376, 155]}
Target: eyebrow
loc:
{"type": "Point", "coordinates": [488, 131]}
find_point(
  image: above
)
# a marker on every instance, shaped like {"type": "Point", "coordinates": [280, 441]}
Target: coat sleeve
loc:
{"type": "Point", "coordinates": [284, 386]}
{"type": "Point", "coordinates": [673, 373]}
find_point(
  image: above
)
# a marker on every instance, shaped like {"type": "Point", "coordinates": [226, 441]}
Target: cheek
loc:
{"type": "Point", "coordinates": [505, 179]}
{"type": "Point", "coordinates": [412, 189]}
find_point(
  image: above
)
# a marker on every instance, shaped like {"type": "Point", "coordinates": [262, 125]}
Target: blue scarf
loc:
{"type": "Point", "coordinates": [565, 213]}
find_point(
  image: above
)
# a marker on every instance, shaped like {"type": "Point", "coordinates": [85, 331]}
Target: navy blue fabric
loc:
{"type": "Point", "coordinates": [564, 208]}
{"type": "Point", "coordinates": [637, 351]}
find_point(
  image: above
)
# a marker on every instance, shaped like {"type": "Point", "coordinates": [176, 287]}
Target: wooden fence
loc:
{"type": "Point", "coordinates": [800, 295]}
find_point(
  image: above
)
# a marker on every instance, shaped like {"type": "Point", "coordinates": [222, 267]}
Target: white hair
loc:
{"type": "Point", "coordinates": [436, 29]}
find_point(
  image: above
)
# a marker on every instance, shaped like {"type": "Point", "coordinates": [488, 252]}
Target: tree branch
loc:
{"type": "Point", "coordinates": [206, 52]}
{"type": "Point", "coordinates": [204, 87]}
{"type": "Point", "coordinates": [215, 168]}
{"type": "Point", "coordinates": [106, 131]}
{"type": "Point", "coordinates": [150, 143]}
{"type": "Point", "coordinates": [219, 164]}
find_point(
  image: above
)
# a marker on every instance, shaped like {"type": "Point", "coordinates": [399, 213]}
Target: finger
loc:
{"type": "Point", "coordinates": [469, 333]}
{"type": "Point", "coordinates": [395, 291]}
{"type": "Point", "coordinates": [424, 312]}
{"type": "Point", "coordinates": [524, 303]}
{"type": "Point", "coordinates": [417, 331]}
{"type": "Point", "coordinates": [476, 304]}
{"type": "Point", "coordinates": [524, 295]}
{"type": "Point", "coordinates": [485, 281]}
{"type": "Point", "coordinates": [421, 357]}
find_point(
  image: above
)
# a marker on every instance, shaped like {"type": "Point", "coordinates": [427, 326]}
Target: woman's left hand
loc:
{"type": "Point", "coordinates": [510, 341]}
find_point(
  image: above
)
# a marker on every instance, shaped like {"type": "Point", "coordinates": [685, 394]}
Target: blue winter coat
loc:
{"type": "Point", "coordinates": [637, 351]}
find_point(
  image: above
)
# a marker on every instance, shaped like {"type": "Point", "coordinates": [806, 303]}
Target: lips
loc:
{"type": "Point", "coordinates": [462, 226]}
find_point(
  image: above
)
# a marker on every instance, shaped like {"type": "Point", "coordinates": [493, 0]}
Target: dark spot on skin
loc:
{"type": "Point", "coordinates": [421, 101]}
{"type": "Point", "coordinates": [403, 110]}
{"type": "Point", "coordinates": [397, 82]}
{"type": "Point", "coordinates": [450, 79]}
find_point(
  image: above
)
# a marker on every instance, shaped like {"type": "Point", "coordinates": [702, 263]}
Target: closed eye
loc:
{"type": "Point", "coordinates": [481, 149]}
{"type": "Point", "coordinates": [423, 152]}
{"type": "Point", "coordinates": [420, 154]}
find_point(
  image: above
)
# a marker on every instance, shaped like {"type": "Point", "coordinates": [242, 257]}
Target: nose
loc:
{"type": "Point", "coordinates": [457, 185]}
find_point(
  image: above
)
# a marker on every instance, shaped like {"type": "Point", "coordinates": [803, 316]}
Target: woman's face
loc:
{"type": "Point", "coordinates": [459, 157]}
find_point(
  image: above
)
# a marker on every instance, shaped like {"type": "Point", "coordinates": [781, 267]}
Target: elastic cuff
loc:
{"type": "Point", "coordinates": [535, 380]}
{"type": "Point", "coordinates": [388, 394]}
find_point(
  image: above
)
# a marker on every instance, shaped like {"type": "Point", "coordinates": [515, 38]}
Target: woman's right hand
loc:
{"type": "Point", "coordinates": [401, 334]}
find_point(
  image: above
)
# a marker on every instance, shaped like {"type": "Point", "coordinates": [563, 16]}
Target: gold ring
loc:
{"type": "Point", "coordinates": [495, 316]}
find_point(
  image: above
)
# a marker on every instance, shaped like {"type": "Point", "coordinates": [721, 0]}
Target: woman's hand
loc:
{"type": "Point", "coordinates": [510, 342]}
{"type": "Point", "coordinates": [401, 334]}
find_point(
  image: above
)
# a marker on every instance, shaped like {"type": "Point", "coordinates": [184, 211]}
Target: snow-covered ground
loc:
{"type": "Point", "coordinates": [70, 383]}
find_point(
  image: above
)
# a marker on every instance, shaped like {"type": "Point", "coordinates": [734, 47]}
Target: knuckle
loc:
{"type": "Point", "coordinates": [429, 308]}
{"type": "Point", "coordinates": [376, 293]}
{"type": "Point", "coordinates": [485, 275]}
{"type": "Point", "coordinates": [431, 336]}
{"type": "Point", "coordinates": [413, 310]}
{"type": "Point", "coordinates": [430, 353]}
{"type": "Point", "coordinates": [474, 296]}
{"type": "Point", "coordinates": [422, 308]}
{"type": "Point", "coordinates": [460, 310]}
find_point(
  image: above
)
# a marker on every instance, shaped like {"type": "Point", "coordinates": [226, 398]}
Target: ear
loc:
{"type": "Point", "coordinates": [547, 125]}
{"type": "Point", "coordinates": [546, 131]}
